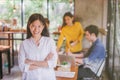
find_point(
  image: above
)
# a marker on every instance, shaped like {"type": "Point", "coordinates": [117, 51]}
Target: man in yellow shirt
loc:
{"type": "Point", "coordinates": [72, 32]}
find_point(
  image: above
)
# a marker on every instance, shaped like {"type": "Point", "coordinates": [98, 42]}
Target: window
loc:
{"type": "Point", "coordinates": [22, 9]}
{"type": "Point", "coordinates": [34, 6]}
{"type": "Point", "coordinates": [57, 8]}
{"type": "Point", "coordinates": [52, 9]}
{"type": "Point", "coordinates": [10, 9]}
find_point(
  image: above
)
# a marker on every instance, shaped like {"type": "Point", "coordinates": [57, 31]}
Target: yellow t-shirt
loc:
{"type": "Point", "coordinates": [71, 33]}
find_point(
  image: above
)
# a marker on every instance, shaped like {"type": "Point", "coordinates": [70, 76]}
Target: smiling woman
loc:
{"type": "Point", "coordinates": [37, 54]}
{"type": "Point", "coordinates": [36, 23]}
{"type": "Point", "coordinates": [36, 27]}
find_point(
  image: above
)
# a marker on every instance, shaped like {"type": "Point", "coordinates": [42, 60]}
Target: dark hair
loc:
{"type": "Point", "coordinates": [33, 18]}
{"type": "Point", "coordinates": [67, 14]}
{"type": "Point", "coordinates": [47, 21]}
{"type": "Point", "coordinates": [92, 29]}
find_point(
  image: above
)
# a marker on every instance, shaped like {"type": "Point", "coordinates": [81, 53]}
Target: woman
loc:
{"type": "Point", "coordinates": [37, 55]}
{"type": "Point", "coordinates": [73, 33]}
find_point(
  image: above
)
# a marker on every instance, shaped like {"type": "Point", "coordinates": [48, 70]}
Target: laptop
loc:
{"type": "Point", "coordinates": [66, 58]}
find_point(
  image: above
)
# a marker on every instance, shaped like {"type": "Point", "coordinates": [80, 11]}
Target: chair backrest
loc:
{"type": "Point", "coordinates": [100, 69]}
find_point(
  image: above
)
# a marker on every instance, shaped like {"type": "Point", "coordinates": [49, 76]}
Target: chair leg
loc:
{"type": "Point", "coordinates": [94, 78]}
{"type": "Point", "coordinates": [99, 78]}
{"type": "Point", "coordinates": [89, 78]}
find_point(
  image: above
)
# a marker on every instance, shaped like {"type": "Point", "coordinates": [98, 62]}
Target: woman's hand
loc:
{"type": "Point", "coordinates": [73, 43]}
{"type": "Point", "coordinates": [33, 67]}
{"type": "Point", "coordinates": [32, 64]}
{"type": "Point", "coordinates": [69, 53]}
{"type": "Point", "coordinates": [28, 61]}
{"type": "Point", "coordinates": [37, 64]}
{"type": "Point", "coordinates": [49, 56]}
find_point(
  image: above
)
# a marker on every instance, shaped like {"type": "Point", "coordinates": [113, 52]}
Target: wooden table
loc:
{"type": "Point", "coordinates": [2, 50]}
{"type": "Point", "coordinates": [56, 33]}
{"type": "Point", "coordinates": [73, 69]}
{"type": "Point", "coordinates": [11, 37]}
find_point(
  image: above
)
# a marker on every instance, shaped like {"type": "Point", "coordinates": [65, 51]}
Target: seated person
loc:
{"type": "Point", "coordinates": [95, 55]}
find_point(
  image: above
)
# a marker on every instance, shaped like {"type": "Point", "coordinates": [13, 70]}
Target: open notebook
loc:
{"type": "Point", "coordinates": [64, 74]}
{"type": "Point", "coordinates": [67, 74]}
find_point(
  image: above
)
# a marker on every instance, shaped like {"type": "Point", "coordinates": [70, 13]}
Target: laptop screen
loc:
{"type": "Point", "coordinates": [67, 58]}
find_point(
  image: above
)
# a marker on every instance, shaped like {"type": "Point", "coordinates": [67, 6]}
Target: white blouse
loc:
{"type": "Point", "coordinates": [29, 50]}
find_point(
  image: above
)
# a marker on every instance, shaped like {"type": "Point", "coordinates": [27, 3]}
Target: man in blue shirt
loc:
{"type": "Point", "coordinates": [95, 55]}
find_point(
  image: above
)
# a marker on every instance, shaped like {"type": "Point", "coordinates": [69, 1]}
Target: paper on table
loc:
{"type": "Point", "coordinates": [64, 74]}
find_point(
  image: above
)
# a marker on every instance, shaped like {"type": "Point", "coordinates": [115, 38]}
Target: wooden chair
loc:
{"type": "Point", "coordinates": [4, 49]}
{"type": "Point", "coordinates": [98, 75]}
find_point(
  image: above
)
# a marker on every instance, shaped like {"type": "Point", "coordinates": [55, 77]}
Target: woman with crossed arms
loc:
{"type": "Point", "coordinates": [37, 55]}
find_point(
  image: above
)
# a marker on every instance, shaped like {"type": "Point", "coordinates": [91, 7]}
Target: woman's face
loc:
{"type": "Point", "coordinates": [36, 28]}
{"type": "Point", "coordinates": [68, 20]}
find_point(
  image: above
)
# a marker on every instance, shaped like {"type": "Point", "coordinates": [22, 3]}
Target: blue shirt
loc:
{"type": "Point", "coordinates": [96, 56]}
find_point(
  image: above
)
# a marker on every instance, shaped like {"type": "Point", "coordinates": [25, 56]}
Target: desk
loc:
{"type": "Point", "coordinates": [11, 37]}
{"type": "Point", "coordinates": [74, 69]}
{"type": "Point", "coordinates": [2, 50]}
{"type": "Point", "coordinates": [56, 33]}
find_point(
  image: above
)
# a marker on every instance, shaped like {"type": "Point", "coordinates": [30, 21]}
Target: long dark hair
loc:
{"type": "Point", "coordinates": [67, 14]}
{"type": "Point", "coordinates": [33, 18]}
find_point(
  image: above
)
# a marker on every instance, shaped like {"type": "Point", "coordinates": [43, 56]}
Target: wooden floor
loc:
{"type": "Point", "coordinates": [16, 74]}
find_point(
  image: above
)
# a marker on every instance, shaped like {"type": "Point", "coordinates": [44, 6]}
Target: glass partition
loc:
{"type": "Point", "coordinates": [22, 9]}
{"type": "Point", "coordinates": [10, 10]}
{"type": "Point", "coordinates": [57, 9]}
{"type": "Point", "coordinates": [34, 6]}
